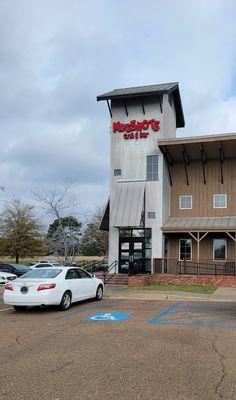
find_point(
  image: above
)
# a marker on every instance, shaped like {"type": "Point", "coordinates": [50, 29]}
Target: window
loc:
{"type": "Point", "coordinates": [219, 249]}
{"type": "Point", "coordinates": [152, 168]}
{"type": "Point", "coordinates": [42, 273]}
{"type": "Point", "coordinates": [151, 215]}
{"type": "Point", "coordinates": [220, 201]}
{"type": "Point", "coordinates": [136, 233]}
{"type": "Point", "coordinates": [185, 202]}
{"type": "Point", "coordinates": [83, 274]}
{"type": "Point", "coordinates": [185, 249]}
{"type": "Point", "coordinates": [117, 172]}
{"type": "Point", "coordinates": [71, 274]}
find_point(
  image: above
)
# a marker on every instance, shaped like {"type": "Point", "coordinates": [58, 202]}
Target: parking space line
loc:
{"type": "Point", "coordinates": [198, 324]}
{"type": "Point", "coordinates": [169, 310]}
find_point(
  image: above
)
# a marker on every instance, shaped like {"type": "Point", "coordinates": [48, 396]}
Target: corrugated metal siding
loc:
{"type": "Point", "coordinates": [127, 204]}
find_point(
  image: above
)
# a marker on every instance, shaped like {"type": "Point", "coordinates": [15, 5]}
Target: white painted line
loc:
{"type": "Point", "coordinates": [5, 309]}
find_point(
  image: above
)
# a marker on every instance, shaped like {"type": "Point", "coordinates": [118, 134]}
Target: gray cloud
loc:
{"type": "Point", "coordinates": [56, 56]}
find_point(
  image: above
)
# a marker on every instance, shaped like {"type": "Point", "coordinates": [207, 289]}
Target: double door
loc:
{"type": "Point", "coordinates": [132, 255]}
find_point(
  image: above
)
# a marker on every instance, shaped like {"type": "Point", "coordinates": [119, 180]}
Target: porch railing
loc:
{"type": "Point", "coordinates": [185, 267]}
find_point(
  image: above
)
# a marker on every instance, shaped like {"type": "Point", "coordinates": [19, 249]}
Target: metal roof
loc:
{"type": "Point", "coordinates": [150, 90]}
{"type": "Point", "coordinates": [200, 224]}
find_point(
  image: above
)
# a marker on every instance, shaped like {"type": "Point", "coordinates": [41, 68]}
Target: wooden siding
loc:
{"type": "Point", "coordinates": [202, 195]}
{"type": "Point", "coordinates": [206, 246]}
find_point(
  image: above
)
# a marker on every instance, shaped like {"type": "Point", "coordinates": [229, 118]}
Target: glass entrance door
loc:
{"type": "Point", "coordinates": [132, 255]}
{"type": "Point", "coordinates": [135, 249]}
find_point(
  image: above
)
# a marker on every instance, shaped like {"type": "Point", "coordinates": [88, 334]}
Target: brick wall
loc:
{"type": "Point", "coordinates": [220, 280]}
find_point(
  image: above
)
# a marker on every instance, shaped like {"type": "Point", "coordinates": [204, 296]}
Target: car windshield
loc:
{"type": "Point", "coordinates": [42, 273]}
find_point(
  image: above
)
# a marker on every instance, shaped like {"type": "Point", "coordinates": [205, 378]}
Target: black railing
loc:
{"type": "Point", "coordinates": [96, 266]}
{"type": "Point", "coordinates": [185, 267]}
{"type": "Point", "coordinates": [111, 271]}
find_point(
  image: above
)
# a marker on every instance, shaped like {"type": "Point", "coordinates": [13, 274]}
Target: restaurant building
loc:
{"type": "Point", "coordinates": [172, 199]}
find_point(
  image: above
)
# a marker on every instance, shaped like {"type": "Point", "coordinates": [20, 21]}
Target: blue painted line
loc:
{"type": "Point", "coordinates": [169, 310]}
{"type": "Point", "coordinates": [198, 324]}
{"type": "Point", "coordinates": [186, 317]}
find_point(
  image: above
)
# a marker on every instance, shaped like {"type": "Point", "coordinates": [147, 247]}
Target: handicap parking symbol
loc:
{"type": "Point", "coordinates": [107, 316]}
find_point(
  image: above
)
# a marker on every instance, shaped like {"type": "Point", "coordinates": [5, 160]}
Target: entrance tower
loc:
{"type": "Point", "coordinates": [139, 186]}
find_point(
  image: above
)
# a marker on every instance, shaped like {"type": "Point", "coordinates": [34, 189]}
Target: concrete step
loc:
{"type": "Point", "coordinates": [118, 279]}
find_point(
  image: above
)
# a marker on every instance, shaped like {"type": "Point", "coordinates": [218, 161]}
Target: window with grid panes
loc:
{"type": "Point", "coordinates": [185, 249]}
{"type": "Point", "coordinates": [185, 202]}
{"type": "Point", "coordinates": [152, 168]}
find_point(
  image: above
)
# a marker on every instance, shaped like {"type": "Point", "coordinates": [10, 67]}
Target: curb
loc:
{"type": "Point", "coordinates": [159, 296]}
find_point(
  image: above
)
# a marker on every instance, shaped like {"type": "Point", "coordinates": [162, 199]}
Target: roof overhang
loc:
{"type": "Point", "coordinates": [194, 146]}
{"type": "Point", "coordinates": [150, 90]}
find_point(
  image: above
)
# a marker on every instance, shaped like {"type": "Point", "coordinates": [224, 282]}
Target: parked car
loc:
{"type": "Point", "coordinates": [6, 277]}
{"type": "Point", "coordinates": [17, 269]}
{"type": "Point", "coordinates": [52, 286]}
{"type": "Point", "coordinates": [45, 265]}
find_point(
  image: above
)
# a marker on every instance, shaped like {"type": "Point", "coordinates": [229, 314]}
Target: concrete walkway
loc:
{"type": "Point", "coordinates": [221, 294]}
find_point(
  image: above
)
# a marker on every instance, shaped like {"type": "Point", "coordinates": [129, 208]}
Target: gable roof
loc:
{"type": "Point", "coordinates": [150, 90]}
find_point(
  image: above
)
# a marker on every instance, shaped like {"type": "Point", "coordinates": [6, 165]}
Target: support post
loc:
{"type": "Point", "coordinates": [186, 162]}
{"type": "Point", "coordinates": [221, 162]}
{"type": "Point", "coordinates": [126, 110]}
{"type": "Point", "coordinates": [142, 105]}
{"type": "Point", "coordinates": [204, 161]}
{"type": "Point", "coordinates": [109, 108]}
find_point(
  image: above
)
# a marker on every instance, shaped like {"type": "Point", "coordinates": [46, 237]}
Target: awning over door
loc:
{"type": "Point", "coordinates": [127, 204]}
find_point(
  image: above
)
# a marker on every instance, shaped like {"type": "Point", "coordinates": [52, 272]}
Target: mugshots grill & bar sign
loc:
{"type": "Point", "coordinates": [136, 129]}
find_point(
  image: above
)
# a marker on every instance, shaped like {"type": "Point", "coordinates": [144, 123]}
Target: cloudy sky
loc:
{"type": "Point", "coordinates": [56, 56]}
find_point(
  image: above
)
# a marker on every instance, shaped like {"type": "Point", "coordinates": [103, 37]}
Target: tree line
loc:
{"type": "Point", "coordinates": [70, 233]}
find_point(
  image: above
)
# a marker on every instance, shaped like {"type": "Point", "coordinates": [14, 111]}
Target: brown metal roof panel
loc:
{"type": "Point", "coordinates": [188, 223]}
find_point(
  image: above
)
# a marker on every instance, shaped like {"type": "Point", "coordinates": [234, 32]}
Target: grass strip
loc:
{"type": "Point", "coordinates": [194, 288]}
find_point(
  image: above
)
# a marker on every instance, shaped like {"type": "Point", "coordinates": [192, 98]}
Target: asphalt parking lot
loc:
{"type": "Point", "coordinates": [120, 349]}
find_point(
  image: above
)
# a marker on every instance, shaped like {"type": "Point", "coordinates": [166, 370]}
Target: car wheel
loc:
{"type": "Point", "coordinates": [99, 293]}
{"type": "Point", "coordinates": [65, 301]}
{"type": "Point", "coordinates": [20, 308]}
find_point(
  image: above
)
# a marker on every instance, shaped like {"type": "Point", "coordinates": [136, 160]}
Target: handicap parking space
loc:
{"type": "Point", "coordinates": [142, 342]}
{"type": "Point", "coordinates": [153, 312]}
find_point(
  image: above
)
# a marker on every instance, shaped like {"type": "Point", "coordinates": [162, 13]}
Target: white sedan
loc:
{"type": "Point", "coordinates": [6, 277]}
{"type": "Point", "coordinates": [52, 286]}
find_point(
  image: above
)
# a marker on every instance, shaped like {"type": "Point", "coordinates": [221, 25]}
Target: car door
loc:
{"type": "Point", "coordinates": [74, 284]}
{"type": "Point", "coordinates": [88, 283]}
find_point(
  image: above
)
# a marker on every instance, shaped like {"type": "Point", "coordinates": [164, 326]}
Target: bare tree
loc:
{"type": "Point", "coordinates": [62, 205]}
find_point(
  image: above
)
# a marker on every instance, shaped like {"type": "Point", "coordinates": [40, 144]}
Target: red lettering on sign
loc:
{"type": "Point", "coordinates": [139, 126]}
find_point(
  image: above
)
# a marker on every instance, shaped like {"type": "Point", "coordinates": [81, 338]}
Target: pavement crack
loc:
{"type": "Point", "coordinates": [17, 340]}
{"type": "Point", "coordinates": [60, 367]}
{"type": "Point", "coordinates": [221, 358]}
